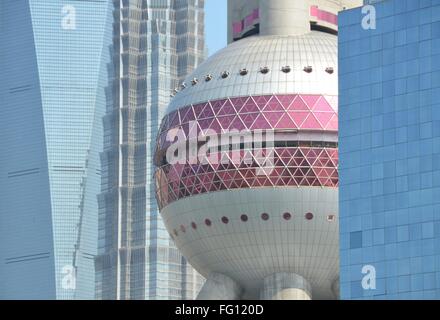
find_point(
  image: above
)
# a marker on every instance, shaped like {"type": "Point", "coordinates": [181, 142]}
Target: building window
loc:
{"type": "Point", "coordinates": [265, 216]}
{"type": "Point", "coordinates": [309, 216]}
{"type": "Point", "coordinates": [356, 240]}
{"type": "Point", "coordinates": [244, 218]}
{"type": "Point", "coordinates": [193, 225]}
{"type": "Point", "coordinates": [208, 222]}
{"type": "Point", "coordinates": [225, 220]}
{"type": "Point", "coordinates": [264, 70]}
{"type": "Point", "coordinates": [287, 216]}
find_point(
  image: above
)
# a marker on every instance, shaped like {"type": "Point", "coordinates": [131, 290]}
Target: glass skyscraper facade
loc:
{"type": "Point", "coordinates": [54, 66]}
{"type": "Point", "coordinates": [156, 44]}
{"type": "Point", "coordinates": [389, 149]}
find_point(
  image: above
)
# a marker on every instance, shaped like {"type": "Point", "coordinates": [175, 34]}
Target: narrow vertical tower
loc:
{"type": "Point", "coordinates": [156, 44]}
{"type": "Point", "coordinates": [284, 17]}
{"type": "Point", "coordinates": [259, 220]}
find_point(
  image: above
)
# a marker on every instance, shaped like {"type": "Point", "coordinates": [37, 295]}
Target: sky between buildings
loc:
{"type": "Point", "coordinates": [216, 25]}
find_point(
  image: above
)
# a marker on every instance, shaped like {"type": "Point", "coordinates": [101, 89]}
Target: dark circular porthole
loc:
{"type": "Point", "coordinates": [264, 70]}
{"type": "Point", "coordinates": [309, 216]}
{"type": "Point", "coordinates": [287, 216]}
{"type": "Point", "coordinates": [329, 70]}
{"type": "Point", "coordinates": [286, 69]}
{"type": "Point", "coordinates": [308, 69]}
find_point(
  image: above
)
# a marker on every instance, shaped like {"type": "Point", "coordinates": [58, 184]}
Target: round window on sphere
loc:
{"type": "Point", "coordinates": [309, 216]}
{"type": "Point", "coordinates": [287, 216]}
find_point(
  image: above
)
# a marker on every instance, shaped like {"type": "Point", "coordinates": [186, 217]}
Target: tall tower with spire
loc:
{"type": "Point", "coordinates": [156, 44]}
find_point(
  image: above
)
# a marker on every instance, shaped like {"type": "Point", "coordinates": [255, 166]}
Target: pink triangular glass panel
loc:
{"type": "Point", "coordinates": [238, 102]}
{"type": "Point", "coordinates": [215, 125]}
{"type": "Point", "coordinates": [299, 117]}
{"type": "Point", "coordinates": [205, 124]}
{"type": "Point", "coordinates": [274, 105]}
{"type": "Point", "coordinates": [226, 109]}
{"type": "Point", "coordinates": [249, 107]}
{"type": "Point", "coordinates": [207, 112]}
{"type": "Point", "coordinates": [323, 106]}
{"type": "Point", "coordinates": [248, 119]}
{"type": "Point", "coordinates": [188, 115]}
{"type": "Point", "coordinates": [286, 123]}
{"type": "Point", "coordinates": [174, 119]}
{"type": "Point", "coordinates": [333, 123]}
{"type": "Point", "coordinates": [262, 101]}
{"type": "Point", "coordinates": [286, 100]}
{"type": "Point", "coordinates": [216, 105]}
{"type": "Point", "coordinates": [198, 108]}
{"type": "Point", "coordinates": [237, 124]}
{"type": "Point", "coordinates": [273, 117]}
{"type": "Point", "coordinates": [311, 123]}
{"type": "Point", "coordinates": [324, 117]}
{"type": "Point", "coordinates": [310, 100]}
{"type": "Point", "coordinates": [225, 121]}
{"type": "Point", "coordinates": [299, 105]}
{"type": "Point", "coordinates": [261, 123]}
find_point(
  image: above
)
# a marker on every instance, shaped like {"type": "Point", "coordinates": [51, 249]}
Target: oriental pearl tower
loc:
{"type": "Point", "coordinates": [253, 230]}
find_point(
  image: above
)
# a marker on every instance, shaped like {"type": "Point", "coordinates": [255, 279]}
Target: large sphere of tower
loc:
{"type": "Point", "coordinates": [258, 231]}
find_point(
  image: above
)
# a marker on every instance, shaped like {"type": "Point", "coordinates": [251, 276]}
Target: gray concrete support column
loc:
{"type": "Point", "coordinates": [335, 288]}
{"type": "Point", "coordinates": [286, 286]}
{"type": "Point", "coordinates": [220, 287]}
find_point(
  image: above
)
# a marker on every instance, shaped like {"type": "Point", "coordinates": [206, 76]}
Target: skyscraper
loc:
{"type": "Point", "coordinates": [157, 43]}
{"type": "Point", "coordinates": [247, 156]}
{"type": "Point", "coordinates": [54, 67]}
{"type": "Point", "coordinates": [389, 59]}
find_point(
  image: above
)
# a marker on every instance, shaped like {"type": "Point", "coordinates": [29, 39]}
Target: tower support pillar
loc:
{"type": "Point", "coordinates": [220, 287]}
{"type": "Point", "coordinates": [286, 286]}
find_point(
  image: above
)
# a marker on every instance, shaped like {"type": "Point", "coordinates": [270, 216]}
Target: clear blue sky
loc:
{"type": "Point", "coordinates": [216, 24]}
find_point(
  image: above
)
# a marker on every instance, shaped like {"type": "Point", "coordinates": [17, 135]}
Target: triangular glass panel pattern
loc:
{"type": "Point", "coordinates": [289, 167]}
{"type": "Point", "coordinates": [292, 167]}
